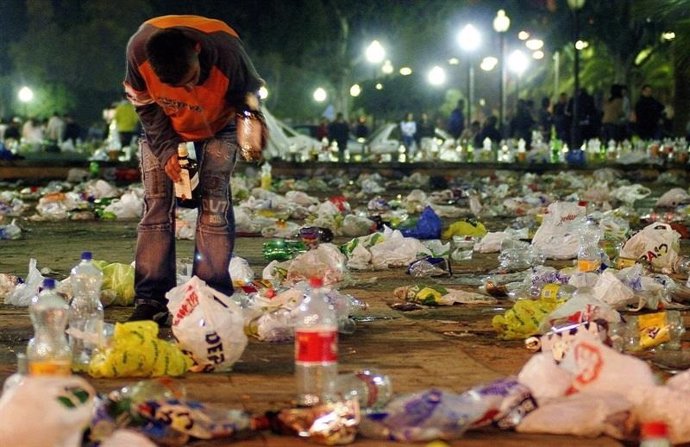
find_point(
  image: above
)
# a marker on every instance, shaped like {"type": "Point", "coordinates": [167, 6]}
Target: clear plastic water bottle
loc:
{"type": "Point", "coordinates": [316, 347]}
{"type": "Point", "coordinates": [371, 388]}
{"type": "Point", "coordinates": [86, 311]}
{"type": "Point", "coordinates": [48, 352]}
{"type": "Point", "coordinates": [589, 253]}
{"type": "Point", "coordinates": [654, 434]}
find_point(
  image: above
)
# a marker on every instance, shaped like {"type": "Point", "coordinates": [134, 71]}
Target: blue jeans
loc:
{"type": "Point", "coordinates": [155, 267]}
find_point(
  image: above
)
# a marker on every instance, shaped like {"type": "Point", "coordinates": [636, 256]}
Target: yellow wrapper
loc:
{"type": "Point", "coordinates": [654, 329]}
{"type": "Point", "coordinates": [464, 228]}
{"type": "Point", "coordinates": [136, 351]}
{"type": "Point", "coordinates": [524, 318]}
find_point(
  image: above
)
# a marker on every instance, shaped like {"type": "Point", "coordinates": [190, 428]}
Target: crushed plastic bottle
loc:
{"type": "Point", "coordinates": [48, 352]}
{"type": "Point", "coordinates": [316, 347]}
{"type": "Point", "coordinates": [370, 387]}
{"type": "Point", "coordinates": [266, 176]}
{"type": "Point", "coordinates": [86, 311]}
{"type": "Point", "coordinates": [589, 253]}
{"type": "Point", "coordinates": [16, 378]}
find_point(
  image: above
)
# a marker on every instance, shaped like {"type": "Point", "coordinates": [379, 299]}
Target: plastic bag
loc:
{"type": "Point", "coordinates": [558, 237]}
{"type": "Point", "coordinates": [673, 198]}
{"type": "Point", "coordinates": [428, 226]}
{"type": "Point", "coordinates": [118, 284]}
{"type": "Point", "coordinates": [207, 324]}
{"type": "Point", "coordinates": [524, 318]}
{"type": "Point", "coordinates": [65, 405]}
{"type": "Point", "coordinates": [24, 292]}
{"type": "Point", "coordinates": [656, 243]}
{"type": "Point", "coordinates": [465, 228]}
{"type": "Point", "coordinates": [136, 351]}
{"type": "Point", "coordinates": [325, 261]}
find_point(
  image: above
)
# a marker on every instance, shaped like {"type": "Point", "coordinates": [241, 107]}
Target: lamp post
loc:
{"type": "Point", "coordinates": [501, 25]}
{"type": "Point", "coordinates": [575, 6]}
{"type": "Point", "coordinates": [469, 40]}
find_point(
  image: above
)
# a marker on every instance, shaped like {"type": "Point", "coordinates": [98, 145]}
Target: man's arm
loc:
{"type": "Point", "coordinates": [160, 135]}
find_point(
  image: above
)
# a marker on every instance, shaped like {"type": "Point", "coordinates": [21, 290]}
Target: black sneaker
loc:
{"type": "Point", "coordinates": [156, 313]}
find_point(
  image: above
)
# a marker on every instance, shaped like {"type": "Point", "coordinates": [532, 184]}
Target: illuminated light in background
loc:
{"type": "Point", "coordinates": [436, 76]}
{"type": "Point", "coordinates": [355, 90]}
{"type": "Point", "coordinates": [320, 95]}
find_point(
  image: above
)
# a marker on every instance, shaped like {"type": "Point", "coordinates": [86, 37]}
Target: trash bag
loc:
{"type": "Point", "coordinates": [65, 405]}
{"type": "Point", "coordinates": [656, 243]}
{"type": "Point", "coordinates": [208, 325]}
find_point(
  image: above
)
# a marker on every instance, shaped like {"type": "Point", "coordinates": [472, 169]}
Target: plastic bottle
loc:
{"type": "Point", "coordinates": [86, 310]}
{"type": "Point", "coordinates": [371, 388]}
{"type": "Point", "coordinates": [48, 352]}
{"type": "Point", "coordinates": [16, 378]}
{"type": "Point", "coordinates": [186, 191]}
{"type": "Point", "coordinates": [266, 177]}
{"type": "Point", "coordinates": [316, 347]}
{"type": "Point", "coordinates": [654, 434]}
{"type": "Point", "coordinates": [589, 253]}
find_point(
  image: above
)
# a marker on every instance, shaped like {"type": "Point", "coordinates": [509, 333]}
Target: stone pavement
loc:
{"type": "Point", "coordinates": [452, 348]}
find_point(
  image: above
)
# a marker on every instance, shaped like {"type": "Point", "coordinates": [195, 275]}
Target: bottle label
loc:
{"type": "Point", "coordinates": [587, 265]}
{"type": "Point", "coordinates": [550, 291]}
{"type": "Point", "coordinates": [50, 368]}
{"type": "Point", "coordinates": [316, 346]}
{"type": "Point", "coordinates": [372, 389]}
{"type": "Point", "coordinates": [187, 184]}
{"type": "Point", "coordinates": [654, 329]}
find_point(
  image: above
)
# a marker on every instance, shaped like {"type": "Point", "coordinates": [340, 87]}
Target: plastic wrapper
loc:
{"type": "Point", "coordinates": [583, 415]}
{"type": "Point", "coordinates": [428, 226]}
{"type": "Point", "coordinates": [518, 255]}
{"type": "Point", "coordinates": [354, 225]}
{"type": "Point", "coordinates": [435, 295]}
{"type": "Point", "coordinates": [129, 206]}
{"type": "Point", "coordinates": [659, 330]}
{"type": "Point", "coordinates": [524, 318]}
{"type": "Point", "coordinates": [10, 231]}
{"type": "Point", "coordinates": [240, 271]}
{"type": "Point", "coordinates": [118, 284]}
{"type": "Point", "coordinates": [325, 261]}
{"type": "Point", "coordinates": [396, 251]}
{"type": "Point", "coordinates": [136, 351]}
{"type": "Point", "coordinates": [333, 423]}
{"type": "Point", "coordinates": [24, 292]}
{"type": "Point", "coordinates": [65, 405]}
{"type": "Point", "coordinates": [207, 325]}
{"type": "Point", "coordinates": [423, 416]}
{"type": "Point", "coordinates": [429, 267]}
{"type": "Point", "coordinates": [546, 380]}
{"type": "Point", "coordinates": [557, 340]}
{"type": "Point", "coordinates": [581, 307]}
{"type": "Point", "coordinates": [465, 228]}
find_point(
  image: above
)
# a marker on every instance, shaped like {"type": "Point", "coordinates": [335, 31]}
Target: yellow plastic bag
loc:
{"type": "Point", "coordinates": [136, 351]}
{"type": "Point", "coordinates": [524, 318]}
{"type": "Point", "coordinates": [464, 228]}
{"type": "Point", "coordinates": [118, 283]}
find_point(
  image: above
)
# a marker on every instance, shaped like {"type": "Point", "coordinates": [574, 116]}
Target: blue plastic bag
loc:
{"type": "Point", "coordinates": [428, 226]}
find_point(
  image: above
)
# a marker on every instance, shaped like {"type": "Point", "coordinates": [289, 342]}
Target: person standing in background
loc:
{"type": "Point", "coordinates": [126, 122]}
{"type": "Point", "coordinates": [456, 121]}
{"type": "Point", "coordinates": [648, 114]}
{"type": "Point", "coordinates": [339, 132]}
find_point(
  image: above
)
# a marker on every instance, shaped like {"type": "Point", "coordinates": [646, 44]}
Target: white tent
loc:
{"type": "Point", "coordinates": [286, 143]}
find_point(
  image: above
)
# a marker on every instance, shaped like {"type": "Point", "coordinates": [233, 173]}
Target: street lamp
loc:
{"type": "Point", "coordinates": [518, 63]}
{"type": "Point", "coordinates": [436, 76]}
{"type": "Point", "coordinates": [320, 95]}
{"type": "Point", "coordinates": [501, 25]}
{"type": "Point", "coordinates": [575, 6]}
{"type": "Point", "coordinates": [469, 40]}
{"type": "Point", "coordinates": [25, 95]}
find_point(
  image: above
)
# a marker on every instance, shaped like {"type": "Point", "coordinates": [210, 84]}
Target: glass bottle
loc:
{"type": "Point", "coordinates": [186, 190]}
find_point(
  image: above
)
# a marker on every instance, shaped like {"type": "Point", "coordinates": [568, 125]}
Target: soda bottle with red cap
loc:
{"type": "Point", "coordinates": [316, 347]}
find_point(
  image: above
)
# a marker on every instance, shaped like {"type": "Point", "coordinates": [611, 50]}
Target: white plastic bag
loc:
{"type": "Point", "coordinates": [557, 237]}
{"type": "Point", "coordinates": [656, 243]}
{"type": "Point", "coordinates": [207, 324]}
{"type": "Point", "coordinates": [23, 293]}
{"type": "Point", "coordinates": [325, 261]}
{"type": "Point", "coordinates": [46, 412]}
{"type": "Point", "coordinates": [672, 198]}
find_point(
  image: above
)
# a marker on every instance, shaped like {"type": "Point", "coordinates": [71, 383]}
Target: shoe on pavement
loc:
{"type": "Point", "coordinates": [156, 313]}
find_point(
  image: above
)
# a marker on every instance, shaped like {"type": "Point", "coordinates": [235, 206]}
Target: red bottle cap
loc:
{"type": "Point", "coordinates": [315, 282]}
{"type": "Point", "coordinates": [654, 429]}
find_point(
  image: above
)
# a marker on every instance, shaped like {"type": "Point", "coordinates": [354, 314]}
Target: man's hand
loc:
{"type": "Point", "coordinates": [173, 169]}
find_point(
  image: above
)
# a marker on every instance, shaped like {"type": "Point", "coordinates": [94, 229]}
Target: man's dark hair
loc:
{"type": "Point", "coordinates": [170, 53]}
